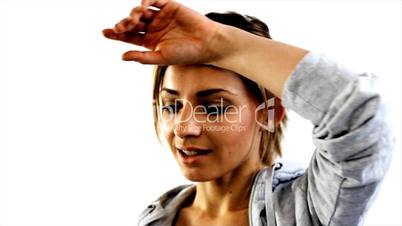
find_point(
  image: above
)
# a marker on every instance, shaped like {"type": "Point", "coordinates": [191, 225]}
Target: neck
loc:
{"type": "Point", "coordinates": [228, 193]}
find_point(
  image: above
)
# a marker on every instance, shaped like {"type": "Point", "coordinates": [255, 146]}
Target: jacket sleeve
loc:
{"type": "Point", "coordinates": [351, 136]}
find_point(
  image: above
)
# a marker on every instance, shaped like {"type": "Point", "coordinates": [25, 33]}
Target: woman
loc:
{"type": "Point", "coordinates": [218, 122]}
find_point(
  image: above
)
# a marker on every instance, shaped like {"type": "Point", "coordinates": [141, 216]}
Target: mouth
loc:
{"type": "Point", "coordinates": [192, 152]}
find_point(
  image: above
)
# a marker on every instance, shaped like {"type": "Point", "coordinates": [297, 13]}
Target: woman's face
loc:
{"type": "Point", "coordinates": [208, 121]}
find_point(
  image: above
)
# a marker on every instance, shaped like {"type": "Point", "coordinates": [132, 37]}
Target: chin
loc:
{"type": "Point", "coordinates": [195, 175]}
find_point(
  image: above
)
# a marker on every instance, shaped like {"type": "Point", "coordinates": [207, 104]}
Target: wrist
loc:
{"type": "Point", "coordinates": [225, 46]}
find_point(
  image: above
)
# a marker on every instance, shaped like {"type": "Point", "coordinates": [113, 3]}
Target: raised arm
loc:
{"type": "Point", "coordinates": [179, 35]}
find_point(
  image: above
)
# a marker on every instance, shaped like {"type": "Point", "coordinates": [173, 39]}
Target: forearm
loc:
{"type": "Point", "coordinates": [262, 60]}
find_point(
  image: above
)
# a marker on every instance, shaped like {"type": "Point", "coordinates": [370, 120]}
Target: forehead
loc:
{"type": "Point", "coordinates": [192, 78]}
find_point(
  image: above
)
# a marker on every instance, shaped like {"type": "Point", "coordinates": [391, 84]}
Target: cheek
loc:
{"type": "Point", "coordinates": [243, 130]}
{"type": "Point", "coordinates": [241, 122]}
{"type": "Point", "coordinates": [236, 132]}
{"type": "Point", "coordinates": [166, 131]}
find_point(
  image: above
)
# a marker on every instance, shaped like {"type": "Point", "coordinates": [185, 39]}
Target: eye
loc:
{"type": "Point", "coordinates": [171, 108]}
{"type": "Point", "coordinates": [216, 109]}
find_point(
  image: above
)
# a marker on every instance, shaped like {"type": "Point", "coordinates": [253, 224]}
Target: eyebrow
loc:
{"type": "Point", "coordinates": [202, 93]}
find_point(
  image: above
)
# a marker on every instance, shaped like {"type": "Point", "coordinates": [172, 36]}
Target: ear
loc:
{"type": "Point", "coordinates": [270, 116]}
{"type": "Point", "coordinates": [279, 111]}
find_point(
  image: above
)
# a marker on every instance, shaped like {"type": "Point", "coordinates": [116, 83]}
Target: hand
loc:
{"type": "Point", "coordinates": [174, 34]}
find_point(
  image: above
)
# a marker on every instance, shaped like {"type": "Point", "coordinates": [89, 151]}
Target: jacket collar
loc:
{"type": "Point", "coordinates": [256, 207]}
{"type": "Point", "coordinates": [163, 211]}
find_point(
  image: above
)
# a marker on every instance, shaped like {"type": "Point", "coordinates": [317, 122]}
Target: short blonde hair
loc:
{"type": "Point", "coordinates": [270, 143]}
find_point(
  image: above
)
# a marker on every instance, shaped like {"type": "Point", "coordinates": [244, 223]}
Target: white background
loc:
{"type": "Point", "coordinates": [76, 129]}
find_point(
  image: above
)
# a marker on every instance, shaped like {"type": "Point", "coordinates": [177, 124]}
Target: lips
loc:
{"type": "Point", "coordinates": [192, 151]}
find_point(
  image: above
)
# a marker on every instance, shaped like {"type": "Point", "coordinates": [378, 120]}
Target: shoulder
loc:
{"type": "Point", "coordinates": [279, 174]}
{"type": "Point", "coordinates": [286, 172]}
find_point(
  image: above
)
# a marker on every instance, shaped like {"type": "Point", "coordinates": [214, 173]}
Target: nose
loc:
{"type": "Point", "coordinates": [186, 124]}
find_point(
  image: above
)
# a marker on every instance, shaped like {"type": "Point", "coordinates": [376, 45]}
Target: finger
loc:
{"type": "Point", "coordinates": [136, 14]}
{"type": "Point", "coordinates": [127, 25]}
{"type": "Point", "coordinates": [130, 22]}
{"type": "Point", "coordinates": [129, 37]}
{"type": "Point", "coordinates": [144, 57]}
{"type": "Point", "coordinates": [156, 3]}
{"type": "Point", "coordinates": [139, 14]}
{"type": "Point", "coordinates": [122, 25]}
{"type": "Point", "coordinates": [148, 14]}
{"type": "Point", "coordinates": [108, 33]}
{"type": "Point", "coordinates": [137, 27]}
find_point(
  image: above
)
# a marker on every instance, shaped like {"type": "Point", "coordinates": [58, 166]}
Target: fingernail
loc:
{"type": "Point", "coordinates": [124, 57]}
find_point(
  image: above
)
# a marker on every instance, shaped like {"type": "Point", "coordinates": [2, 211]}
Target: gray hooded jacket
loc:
{"type": "Point", "coordinates": [353, 152]}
